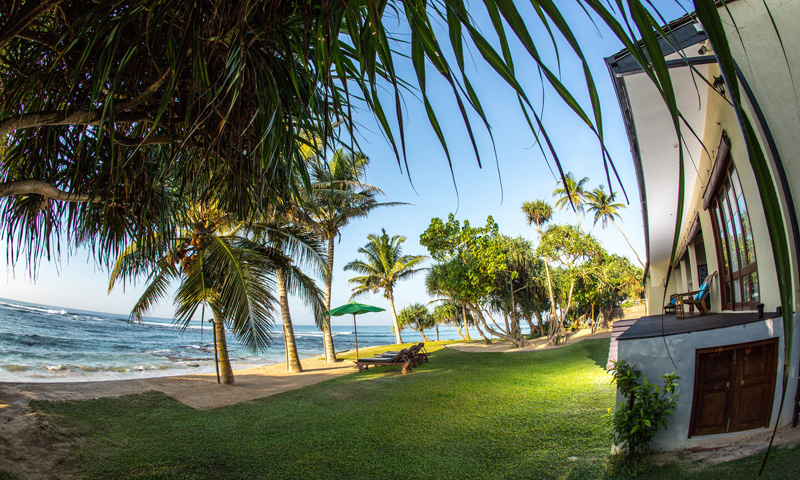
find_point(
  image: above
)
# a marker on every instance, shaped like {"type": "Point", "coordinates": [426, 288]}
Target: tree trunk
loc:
{"type": "Point", "coordinates": [557, 328]}
{"type": "Point", "coordinates": [437, 333]}
{"type": "Point", "coordinates": [514, 329]}
{"type": "Point", "coordinates": [292, 358]}
{"type": "Point", "coordinates": [541, 323]}
{"type": "Point", "coordinates": [518, 342]}
{"type": "Point", "coordinates": [327, 337]}
{"type": "Point", "coordinates": [397, 338]}
{"type": "Point", "coordinates": [629, 243]}
{"type": "Point", "coordinates": [460, 333]}
{"type": "Point", "coordinates": [226, 372]}
{"type": "Point", "coordinates": [424, 337]}
{"type": "Point", "coordinates": [552, 298]}
{"type": "Point", "coordinates": [466, 323]}
{"type": "Point", "coordinates": [485, 339]}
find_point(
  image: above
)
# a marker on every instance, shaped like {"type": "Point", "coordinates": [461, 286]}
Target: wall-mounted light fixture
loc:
{"type": "Point", "coordinates": [719, 85]}
{"type": "Point", "coordinates": [703, 50]}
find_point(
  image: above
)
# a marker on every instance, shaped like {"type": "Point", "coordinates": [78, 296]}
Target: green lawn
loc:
{"type": "Point", "coordinates": [461, 415]}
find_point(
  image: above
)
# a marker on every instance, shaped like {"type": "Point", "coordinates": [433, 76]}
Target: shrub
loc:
{"type": "Point", "coordinates": [643, 410]}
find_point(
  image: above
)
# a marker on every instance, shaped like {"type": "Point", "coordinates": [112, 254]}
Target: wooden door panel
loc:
{"type": "Point", "coordinates": [756, 385]}
{"type": "Point", "coordinates": [717, 367]}
{"type": "Point", "coordinates": [711, 416]}
{"type": "Point", "coordinates": [712, 389]}
{"type": "Point", "coordinates": [754, 361]}
{"type": "Point", "coordinates": [751, 411]}
{"type": "Point", "coordinates": [734, 388]}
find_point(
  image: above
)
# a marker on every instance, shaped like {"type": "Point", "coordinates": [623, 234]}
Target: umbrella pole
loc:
{"type": "Point", "coordinates": [355, 331]}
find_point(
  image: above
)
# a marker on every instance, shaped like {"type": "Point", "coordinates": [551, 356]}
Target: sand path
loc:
{"type": "Point", "coordinates": [504, 346]}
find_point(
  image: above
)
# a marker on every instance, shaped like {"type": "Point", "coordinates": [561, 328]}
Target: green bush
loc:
{"type": "Point", "coordinates": [643, 410]}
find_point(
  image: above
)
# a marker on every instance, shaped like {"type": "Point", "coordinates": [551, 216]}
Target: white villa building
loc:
{"type": "Point", "coordinates": [731, 361]}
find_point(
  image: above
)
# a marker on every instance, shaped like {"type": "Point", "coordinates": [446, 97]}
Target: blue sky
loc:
{"type": "Point", "coordinates": [78, 283]}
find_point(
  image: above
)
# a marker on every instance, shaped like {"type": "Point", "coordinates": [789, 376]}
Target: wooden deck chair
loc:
{"type": "Point", "coordinates": [698, 297]}
{"type": "Point", "coordinates": [672, 304]}
{"type": "Point", "coordinates": [401, 358]}
{"type": "Point", "coordinates": [416, 353]}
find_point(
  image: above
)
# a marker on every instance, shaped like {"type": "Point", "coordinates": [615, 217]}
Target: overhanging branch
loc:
{"type": "Point", "coordinates": [83, 117]}
{"type": "Point", "coordinates": [64, 117]}
{"type": "Point", "coordinates": [39, 187]}
{"type": "Point", "coordinates": [19, 20]}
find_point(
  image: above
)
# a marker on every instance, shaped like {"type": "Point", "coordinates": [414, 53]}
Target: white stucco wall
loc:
{"type": "Point", "coordinates": [771, 69]}
{"type": "Point", "coordinates": [652, 357]}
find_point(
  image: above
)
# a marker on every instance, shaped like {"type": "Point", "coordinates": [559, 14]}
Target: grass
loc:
{"type": "Point", "coordinates": [461, 415]}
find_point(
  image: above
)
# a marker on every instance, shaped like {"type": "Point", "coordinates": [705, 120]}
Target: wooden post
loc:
{"type": "Point", "coordinates": [216, 354]}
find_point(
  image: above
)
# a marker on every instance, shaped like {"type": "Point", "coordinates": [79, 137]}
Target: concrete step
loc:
{"type": "Point", "coordinates": [618, 328]}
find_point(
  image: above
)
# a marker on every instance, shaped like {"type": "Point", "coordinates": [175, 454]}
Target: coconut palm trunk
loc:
{"type": "Point", "coordinates": [327, 336]}
{"type": "Point", "coordinates": [397, 338]}
{"type": "Point", "coordinates": [629, 243]}
{"type": "Point", "coordinates": [226, 372]}
{"type": "Point", "coordinates": [292, 358]}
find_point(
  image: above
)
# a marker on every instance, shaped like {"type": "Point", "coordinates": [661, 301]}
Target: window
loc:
{"type": "Point", "coordinates": [735, 249]}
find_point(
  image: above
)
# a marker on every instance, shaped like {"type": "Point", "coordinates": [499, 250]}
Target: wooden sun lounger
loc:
{"type": "Point", "coordinates": [417, 353]}
{"type": "Point", "coordinates": [401, 358]}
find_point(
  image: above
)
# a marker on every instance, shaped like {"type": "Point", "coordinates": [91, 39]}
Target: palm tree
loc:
{"type": "Point", "coordinates": [302, 250]}
{"type": "Point", "coordinates": [605, 210]}
{"type": "Point", "coordinates": [384, 266]}
{"type": "Point", "coordinates": [215, 267]}
{"type": "Point", "coordinates": [417, 318]}
{"type": "Point", "coordinates": [571, 192]}
{"type": "Point", "coordinates": [538, 213]}
{"type": "Point", "coordinates": [449, 313]}
{"type": "Point", "coordinates": [338, 195]}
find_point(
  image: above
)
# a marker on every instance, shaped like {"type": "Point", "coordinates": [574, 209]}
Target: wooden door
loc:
{"type": "Point", "coordinates": [734, 387]}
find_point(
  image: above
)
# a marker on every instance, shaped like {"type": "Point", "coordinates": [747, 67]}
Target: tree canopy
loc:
{"type": "Point", "coordinates": [115, 114]}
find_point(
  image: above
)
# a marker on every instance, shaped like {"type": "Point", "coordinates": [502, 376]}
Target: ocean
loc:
{"type": "Point", "coordinates": [40, 343]}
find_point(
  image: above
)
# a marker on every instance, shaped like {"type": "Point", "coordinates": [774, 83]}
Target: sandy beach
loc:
{"type": "Point", "coordinates": [25, 450]}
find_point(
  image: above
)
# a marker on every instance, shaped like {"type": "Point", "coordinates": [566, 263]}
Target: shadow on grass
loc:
{"type": "Point", "coordinates": [599, 356]}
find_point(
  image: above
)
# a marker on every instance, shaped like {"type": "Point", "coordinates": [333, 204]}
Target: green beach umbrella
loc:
{"type": "Point", "coordinates": [356, 309]}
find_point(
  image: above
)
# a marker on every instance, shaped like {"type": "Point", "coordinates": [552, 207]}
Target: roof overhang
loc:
{"type": "Point", "coordinates": [657, 150]}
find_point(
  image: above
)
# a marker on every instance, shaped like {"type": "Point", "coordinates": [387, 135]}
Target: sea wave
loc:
{"type": "Point", "coordinates": [35, 309]}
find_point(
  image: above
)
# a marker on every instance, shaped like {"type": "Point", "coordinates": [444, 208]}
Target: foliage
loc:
{"type": "Point", "coordinates": [609, 280]}
{"type": "Point", "coordinates": [417, 318]}
{"type": "Point", "coordinates": [571, 193]}
{"type": "Point", "coordinates": [112, 109]}
{"type": "Point", "coordinates": [215, 265]}
{"type": "Point", "coordinates": [338, 195]}
{"type": "Point", "coordinates": [383, 266]}
{"type": "Point", "coordinates": [644, 408]}
{"type": "Point", "coordinates": [602, 205]}
{"type": "Point", "coordinates": [470, 258]}
{"type": "Point", "coordinates": [227, 266]}
{"type": "Point", "coordinates": [537, 212]}
{"type": "Point", "coordinates": [605, 210]}
{"type": "Point", "coordinates": [568, 246]}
